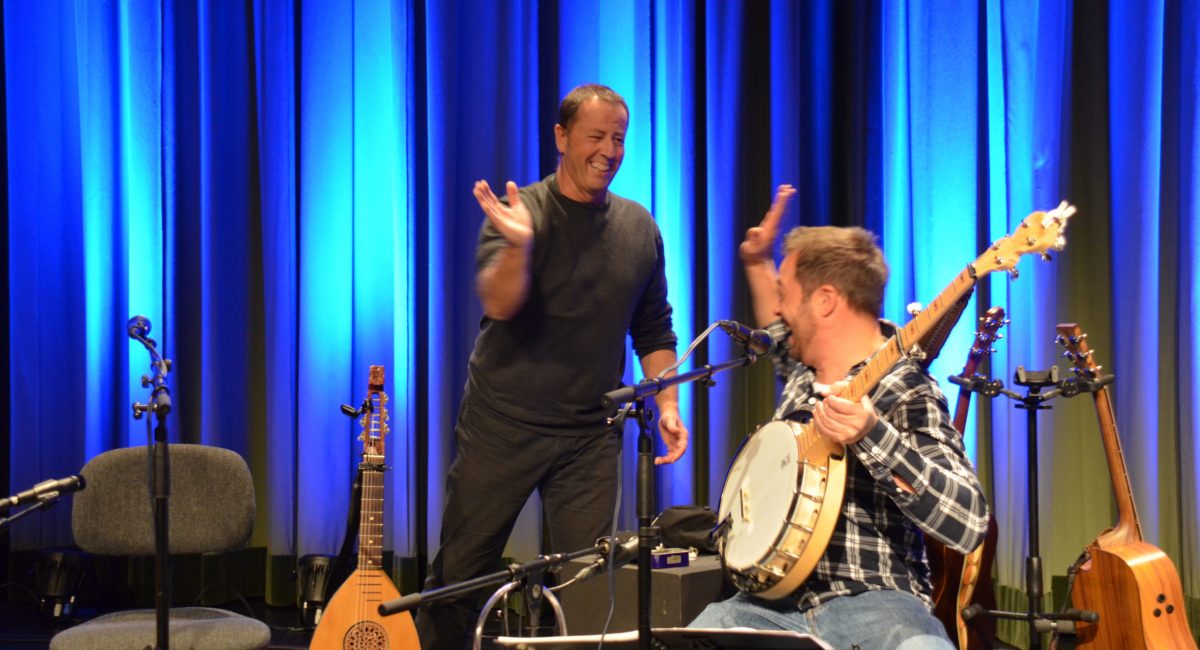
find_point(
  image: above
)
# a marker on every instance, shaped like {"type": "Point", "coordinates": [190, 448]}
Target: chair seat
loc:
{"type": "Point", "coordinates": [194, 628]}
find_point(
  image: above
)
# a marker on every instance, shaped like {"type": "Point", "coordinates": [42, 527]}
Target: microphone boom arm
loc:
{"type": "Point", "coordinates": [653, 386]}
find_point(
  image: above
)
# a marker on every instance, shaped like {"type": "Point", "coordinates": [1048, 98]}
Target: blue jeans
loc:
{"type": "Point", "coordinates": [873, 620]}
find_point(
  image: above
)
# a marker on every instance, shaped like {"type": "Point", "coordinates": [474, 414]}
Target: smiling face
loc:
{"type": "Point", "coordinates": [591, 148]}
{"type": "Point", "coordinates": [795, 308]}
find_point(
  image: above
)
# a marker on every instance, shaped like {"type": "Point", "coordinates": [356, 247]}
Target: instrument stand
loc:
{"type": "Point", "coordinates": [159, 403]}
{"type": "Point", "coordinates": [1034, 400]}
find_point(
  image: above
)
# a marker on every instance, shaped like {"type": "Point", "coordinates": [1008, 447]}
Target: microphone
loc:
{"type": "Point", "coordinates": [138, 327]}
{"type": "Point", "coordinates": [759, 342]}
{"type": "Point", "coordinates": [626, 552]}
{"type": "Point", "coordinates": [45, 490]}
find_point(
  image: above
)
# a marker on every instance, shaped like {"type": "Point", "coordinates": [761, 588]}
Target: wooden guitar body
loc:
{"type": "Point", "coordinates": [1136, 590]}
{"type": "Point", "coordinates": [960, 580]}
{"type": "Point", "coordinates": [1131, 583]}
{"type": "Point", "coordinates": [352, 619]}
{"type": "Point", "coordinates": [957, 578]}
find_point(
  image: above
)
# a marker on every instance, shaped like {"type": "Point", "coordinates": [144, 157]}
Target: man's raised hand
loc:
{"type": "Point", "coordinates": [512, 220]}
{"type": "Point", "coordinates": [760, 238]}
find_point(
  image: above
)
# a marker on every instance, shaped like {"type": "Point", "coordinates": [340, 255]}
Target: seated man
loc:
{"type": "Point", "coordinates": [908, 475]}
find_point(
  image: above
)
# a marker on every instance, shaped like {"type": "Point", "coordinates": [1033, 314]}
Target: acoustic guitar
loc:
{"type": "Point", "coordinates": [352, 620]}
{"type": "Point", "coordinates": [957, 577]}
{"type": "Point", "coordinates": [769, 545]}
{"type": "Point", "coordinates": [1132, 584]}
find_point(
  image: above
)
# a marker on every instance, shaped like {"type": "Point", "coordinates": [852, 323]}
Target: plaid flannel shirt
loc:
{"type": "Point", "coordinates": [878, 542]}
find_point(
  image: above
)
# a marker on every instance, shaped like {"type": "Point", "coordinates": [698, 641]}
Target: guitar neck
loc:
{"type": "Point", "coordinates": [1128, 528]}
{"type": "Point", "coordinates": [907, 337]}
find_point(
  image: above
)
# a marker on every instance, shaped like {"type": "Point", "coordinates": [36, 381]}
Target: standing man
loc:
{"type": "Point", "coordinates": [908, 474]}
{"type": "Point", "coordinates": [565, 271]}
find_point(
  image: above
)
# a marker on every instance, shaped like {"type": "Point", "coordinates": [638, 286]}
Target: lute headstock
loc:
{"type": "Point", "coordinates": [374, 420]}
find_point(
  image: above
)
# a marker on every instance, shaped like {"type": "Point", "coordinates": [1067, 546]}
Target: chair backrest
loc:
{"type": "Point", "coordinates": [211, 506]}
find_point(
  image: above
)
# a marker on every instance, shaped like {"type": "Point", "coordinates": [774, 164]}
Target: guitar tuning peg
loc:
{"type": "Point", "coordinates": [1014, 273]}
{"type": "Point", "coordinates": [999, 335]}
{"type": "Point", "coordinates": [991, 350]}
{"type": "Point", "coordinates": [913, 308]}
{"type": "Point", "coordinates": [1046, 257]}
{"type": "Point", "coordinates": [1030, 241]}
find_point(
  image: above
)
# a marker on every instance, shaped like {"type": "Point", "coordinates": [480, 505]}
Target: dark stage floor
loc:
{"type": "Point", "coordinates": [22, 628]}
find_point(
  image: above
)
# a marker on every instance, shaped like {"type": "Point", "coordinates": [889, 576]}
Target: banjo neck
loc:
{"type": "Point", "coordinates": [904, 343]}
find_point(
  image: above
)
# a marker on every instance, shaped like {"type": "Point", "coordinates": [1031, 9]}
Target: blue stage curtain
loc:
{"type": "Point", "coordinates": [284, 190]}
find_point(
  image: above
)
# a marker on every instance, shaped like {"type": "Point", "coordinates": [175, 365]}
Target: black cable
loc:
{"type": "Point", "coordinates": [238, 594]}
{"type": "Point", "coordinates": [612, 550]}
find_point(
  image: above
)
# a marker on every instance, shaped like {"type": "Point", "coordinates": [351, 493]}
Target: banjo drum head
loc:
{"type": "Point", "coordinates": [760, 490]}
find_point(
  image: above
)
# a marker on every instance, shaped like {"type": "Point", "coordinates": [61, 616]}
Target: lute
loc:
{"type": "Point", "coordinates": [352, 619]}
{"type": "Point", "coordinates": [1132, 584]}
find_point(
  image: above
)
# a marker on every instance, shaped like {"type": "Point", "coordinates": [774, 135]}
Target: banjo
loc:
{"type": "Point", "coordinates": [783, 493]}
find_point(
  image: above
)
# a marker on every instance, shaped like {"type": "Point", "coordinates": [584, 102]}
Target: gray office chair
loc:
{"type": "Point", "coordinates": [211, 510]}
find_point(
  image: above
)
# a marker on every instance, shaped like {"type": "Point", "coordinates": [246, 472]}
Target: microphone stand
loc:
{"type": "Point", "coordinates": [159, 403]}
{"type": "Point", "coordinates": [42, 504]}
{"type": "Point", "coordinates": [513, 572]}
{"type": "Point", "coordinates": [633, 398]}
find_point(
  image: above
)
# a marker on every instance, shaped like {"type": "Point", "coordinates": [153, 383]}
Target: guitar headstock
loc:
{"type": "Point", "coordinates": [989, 326]}
{"type": "Point", "coordinates": [1071, 337]}
{"type": "Point", "coordinates": [1040, 232]}
{"type": "Point", "coordinates": [989, 332]}
{"type": "Point", "coordinates": [374, 420]}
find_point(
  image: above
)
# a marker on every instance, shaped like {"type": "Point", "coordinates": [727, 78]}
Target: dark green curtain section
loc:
{"type": "Point", "coordinates": [283, 189]}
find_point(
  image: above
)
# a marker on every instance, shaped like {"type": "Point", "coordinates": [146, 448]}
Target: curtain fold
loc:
{"type": "Point", "coordinates": [284, 191]}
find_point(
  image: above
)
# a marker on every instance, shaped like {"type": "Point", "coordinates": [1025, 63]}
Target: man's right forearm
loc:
{"type": "Point", "coordinates": [761, 275]}
{"type": "Point", "coordinates": [503, 285]}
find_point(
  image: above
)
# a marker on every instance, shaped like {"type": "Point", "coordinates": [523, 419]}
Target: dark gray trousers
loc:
{"type": "Point", "coordinates": [494, 472]}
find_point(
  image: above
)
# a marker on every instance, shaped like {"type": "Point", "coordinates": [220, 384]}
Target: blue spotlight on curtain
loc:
{"type": "Point", "coordinates": [326, 376]}
{"type": "Point", "coordinates": [1135, 98]}
{"type": "Point", "coordinates": [671, 127]}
